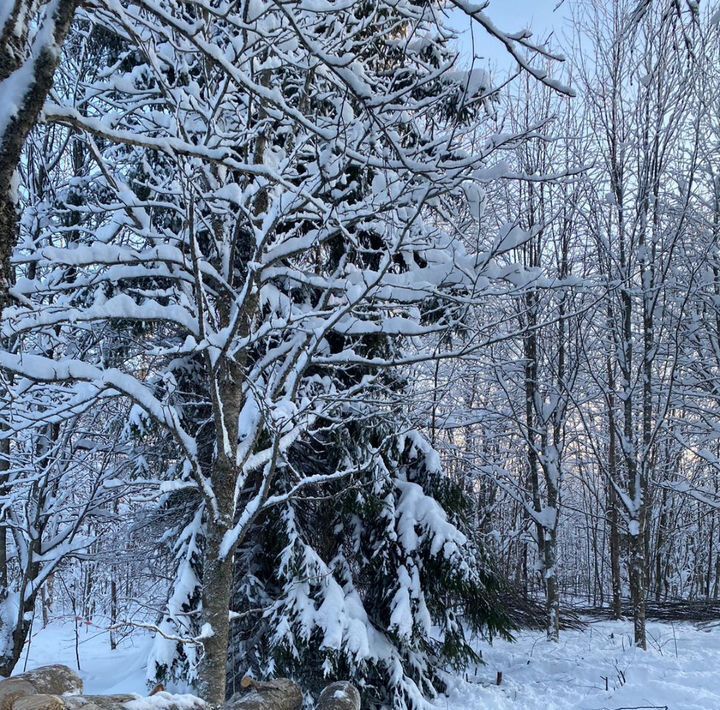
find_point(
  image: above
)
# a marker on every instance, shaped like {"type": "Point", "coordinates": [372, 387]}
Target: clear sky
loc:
{"type": "Point", "coordinates": [541, 16]}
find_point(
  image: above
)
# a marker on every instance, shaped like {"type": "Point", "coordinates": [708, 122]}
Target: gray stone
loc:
{"type": "Point", "coordinates": [47, 681]}
{"type": "Point", "coordinates": [53, 680]}
{"type": "Point", "coordinates": [39, 701]}
{"type": "Point", "coordinates": [12, 689]}
{"type": "Point", "coordinates": [161, 700]}
{"type": "Point", "coordinates": [279, 694]}
{"type": "Point", "coordinates": [98, 702]}
{"type": "Point", "coordinates": [342, 695]}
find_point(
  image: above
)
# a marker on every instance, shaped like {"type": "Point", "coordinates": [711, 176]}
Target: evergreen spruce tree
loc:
{"type": "Point", "coordinates": [380, 580]}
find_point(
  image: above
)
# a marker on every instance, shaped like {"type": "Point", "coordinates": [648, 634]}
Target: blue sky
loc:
{"type": "Point", "coordinates": [541, 16]}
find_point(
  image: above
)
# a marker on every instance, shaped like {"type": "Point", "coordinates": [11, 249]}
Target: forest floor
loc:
{"type": "Point", "coordinates": [678, 672]}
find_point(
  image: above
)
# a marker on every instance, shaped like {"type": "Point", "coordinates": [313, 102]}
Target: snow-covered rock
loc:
{"type": "Point", "coordinates": [99, 702]}
{"type": "Point", "coordinates": [46, 680]}
{"type": "Point", "coordinates": [53, 680]}
{"type": "Point", "coordinates": [159, 701]}
{"type": "Point", "coordinates": [341, 695]}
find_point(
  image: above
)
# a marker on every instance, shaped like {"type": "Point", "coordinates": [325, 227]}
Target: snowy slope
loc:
{"type": "Point", "coordinates": [102, 670]}
{"type": "Point", "coordinates": [679, 671]}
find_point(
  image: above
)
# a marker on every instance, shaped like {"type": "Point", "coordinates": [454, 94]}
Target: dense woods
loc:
{"type": "Point", "coordinates": [325, 354]}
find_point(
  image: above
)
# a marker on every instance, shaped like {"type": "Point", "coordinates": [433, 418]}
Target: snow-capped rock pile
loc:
{"type": "Point", "coordinates": [46, 681]}
{"type": "Point", "coordinates": [283, 694]}
{"type": "Point", "coordinates": [57, 687]}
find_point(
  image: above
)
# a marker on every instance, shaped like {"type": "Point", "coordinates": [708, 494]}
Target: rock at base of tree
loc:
{"type": "Point", "coordinates": [342, 695]}
{"type": "Point", "coordinates": [279, 694]}
{"type": "Point", "coordinates": [53, 680]}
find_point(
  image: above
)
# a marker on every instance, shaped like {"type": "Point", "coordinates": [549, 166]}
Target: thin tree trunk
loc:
{"type": "Point", "coordinates": [113, 612]}
{"type": "Point", "coordinates": [4, 466]}
{"type": "Point", "coordinates": [530, 348]}
{"type": "Point", "coordinates": [23, 620]}
{"type": "Point", "coordinates": [662, 524]}
{"type": "Point", "coordinates": [552, 595]}
{"type": "Point", "coordinates": [5, 633]}
{"type": "Point", "coordinates": [637, 588]}
{"type": "Point", "coordinates": [616, 580]}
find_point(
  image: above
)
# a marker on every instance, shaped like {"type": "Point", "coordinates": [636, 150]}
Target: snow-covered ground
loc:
{"type": "Point", "coordinates": [102, 670]}
{"type": "Point", "coordinates": [679, 671]}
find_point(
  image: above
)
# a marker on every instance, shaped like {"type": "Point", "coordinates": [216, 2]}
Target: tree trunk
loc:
{"type": "Point", "coordinates": [15, 56]}
{"type": "Point", "coordinates": [13, 651]}
{"type": "Point", "coordinates": [8, 237]}
{"type": "Point", "coordinates": [637, 587]}
{"type": "Point", "coordinates": [13, 630]}
{"type": "Point", "coordinates": [113, 613]}
{"type": "Point", "coordinates": [615, 555]}
{"type": "Point", "coordinates": [218, 563]}
{"type": "Point", "coordinates": [216, 596]}
{"type": "Point", "coordinates": [4, 466]}
{"type": "Point", "coordinates": [22, 622]}
{"type": "Point", "coordinates": [530, 353]}
{"type": "Point", "coordinates": [616, 579]}
{"type": "Point", "coordinates": [660, 544]}
{"type": "Point", "coordinates": [552, 596]}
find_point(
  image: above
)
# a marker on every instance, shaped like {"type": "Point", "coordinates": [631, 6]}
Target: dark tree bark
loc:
{"type": "Point", "coordinates": [42, 56]}
{"type": "Point", "coordinates": [612, 502]}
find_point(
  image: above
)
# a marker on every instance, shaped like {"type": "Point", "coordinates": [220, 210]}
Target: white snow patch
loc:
{"type": "Point", "coordinates": [678, 671]}
{"type": "Point", "coordinates": [166, 701]}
